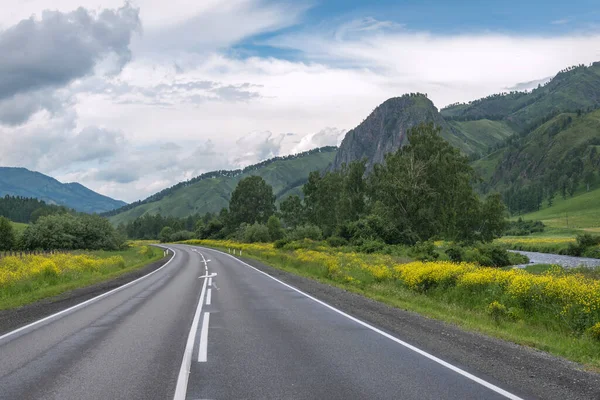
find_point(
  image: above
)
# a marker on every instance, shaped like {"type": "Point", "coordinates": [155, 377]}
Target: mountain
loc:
{"type": "Point", "coordinates": [25, 183]}
{"type": "Point", "coordinates": [385, 130]}
{"type": "Point", "coordinates": [210, 192]}
{"type": "Point", "coordinates": [571, 90]}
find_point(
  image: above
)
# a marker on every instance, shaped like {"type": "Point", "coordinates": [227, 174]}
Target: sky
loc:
{"type": "Point", "coordinates": [128, 98]}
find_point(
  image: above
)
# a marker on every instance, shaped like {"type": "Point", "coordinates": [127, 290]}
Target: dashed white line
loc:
{"type": "Point", "coordinates": [208, 297]}
{"type": "Point", "coordinates": [186, 362]}
{"type": "Point", "coordinates": [210, 281]}
{"type": "Point", "coordinates": [203, 350]}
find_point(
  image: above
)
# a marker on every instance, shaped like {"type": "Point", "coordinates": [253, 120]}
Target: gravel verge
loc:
{"type": "Point", "coordinates": [529, 372]}
{"type": "Point", "coordinates": [14, 318]}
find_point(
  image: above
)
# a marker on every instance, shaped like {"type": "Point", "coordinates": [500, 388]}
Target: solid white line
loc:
{"type": "Point", "coordinates": [186, 362]}
{"type": "Point", "coordinates": [87, 302]}
{"type": "Point", "coordinates": [208, 297]}
{"type": "Point", "coordinates": [387, 335]}
{"type": "Point", "coordinates": [203, 350]}
{"type": "Point", "coordinates": [210, 281]}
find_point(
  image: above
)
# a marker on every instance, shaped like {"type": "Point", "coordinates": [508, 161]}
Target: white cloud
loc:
{"type": "Point", "coordinates": [185, 104]}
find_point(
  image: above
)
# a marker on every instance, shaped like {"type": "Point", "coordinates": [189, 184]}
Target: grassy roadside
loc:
{"type": "Point", "coordinates": [33, 278]}
{"type": "Point", "coordinates": [539, 331]}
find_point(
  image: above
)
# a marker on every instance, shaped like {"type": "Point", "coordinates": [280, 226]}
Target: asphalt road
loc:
{"type": "Point", "coordinates": [222, 330]}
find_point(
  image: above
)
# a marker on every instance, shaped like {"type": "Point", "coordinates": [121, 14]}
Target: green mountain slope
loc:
{"type": "Point", "coordinates": [575, 88]}
{"type": "Point", "coordinates": [211, 192]}
{"type": "Point", "coordinates": [25, 183]}
{"type": "Point", "coordinates": [581, 211]}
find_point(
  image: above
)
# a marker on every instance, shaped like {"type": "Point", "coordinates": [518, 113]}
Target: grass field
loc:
{"type": "Point", "coordinates": [18, 227]}
{"type": "Point", "coordinates": [550, 311]}
{"type": "Point", "coordinates": [35, 277]}
{"type": "Point", "coordinates": [580, 212]}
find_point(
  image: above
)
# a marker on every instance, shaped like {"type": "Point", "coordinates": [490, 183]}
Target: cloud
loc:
{"type": "Point", "coordinates": [325, 137]}
{"type": "Point", "coordinates": [562, 21]}
{"type": "Point", "coordinates": [60, 47]}
{"type": "Point", "coordinates": [17, 109]}
{"type": "Point", "coordinates": [521, 86]}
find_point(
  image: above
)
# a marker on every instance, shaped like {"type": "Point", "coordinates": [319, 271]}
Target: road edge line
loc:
{"type": "Point", "coordinates": [451, 367]}
{"type": "Point", "coordinates": [87, 302]}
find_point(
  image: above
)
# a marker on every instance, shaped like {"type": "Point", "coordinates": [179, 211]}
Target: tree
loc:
{"type": "Point", "coordinates": [274, 227]}
{"type": "Point", "coordinates": [493, 223]}
{"type": "Point", "coordinates": [165, 234]}
{"type": "Point", "coordinates": [292, 211]}
{"type": "Point", "coordinates": [7, 235]}
{"type": "Point", "coordinates": [425, 189]}
{"type": "Point", "coordinates": [251, 201]}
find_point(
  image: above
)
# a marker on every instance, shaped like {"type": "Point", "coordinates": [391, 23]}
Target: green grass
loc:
{"type": "Point", "coordinates": [42, 287]}
{"type": "Point", "coordinates": [211, 195]}
{"type": "Point", "coordinates": [580, 212]}
{"type": "Point", "coordinates": [538, 331]}
{"type": "Point", "coordinates": [19, 227]}
{"type": "Point", "coordinates": [484, 132]}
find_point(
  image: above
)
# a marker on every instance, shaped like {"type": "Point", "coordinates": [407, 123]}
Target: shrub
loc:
{"type": "Point", "coordinates": [424, 251]}
{"type": "Point", "coordinates": [308, 231]}
{"type": "Point", "coordinates": [455, 252]}
{"type": "Point", "coordinates": [594, 331]}
{"type": "Point", "coordinates": [336, 241]}
{"type": "Point", "coordinates": [275, 230]}
{"type": "Point", "coordinates": [497, 311]}
{"type": "Point", "coordinates": [280, 243]}
{"type": "Point", "coordinates": [181, 236]}
{"type": "Point", "coordinates": [370, 246]}
{"type": "Point", "coordinates": [586, 240]}
{"type": "Point", "coordinates": [524, 228]}
{"type": "Point", "coordinates": [256, 233]}
{"type": "Point", "coordinates": [497, 256]}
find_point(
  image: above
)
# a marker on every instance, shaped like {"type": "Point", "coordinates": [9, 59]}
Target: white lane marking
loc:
{"type": "Point", "coordinates": [87, 302]}
{"type": "Point", "coordinates": [186, 362]}
{"type": "Point", "coordinates": [208, 297]}
{"type": "Point", "coordinates": [203, 350]}
{"type": "Point", "coordinates": [210, 281]}
{"type": "Point", "coordinates": [387, 335]}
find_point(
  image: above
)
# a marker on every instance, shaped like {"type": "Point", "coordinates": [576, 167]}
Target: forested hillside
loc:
{"type": "Point", "coordinates": [210, 192]}
{"type": "Point", "coordinates": [571, 90]}
{"type": "Point", "coordinates": [24, 183]}
{"type": "Point", "coordinates": [25, 210]}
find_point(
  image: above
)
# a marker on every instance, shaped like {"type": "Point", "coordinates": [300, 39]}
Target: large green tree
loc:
{"type": "Point", "coordinates": [425, 189]}
{"type": "Point", "coordinates": [292, 211]}
{"type": "Point", "coordinates": [251, 201]}
{"type": "Point", "coordinates": [7, 235]}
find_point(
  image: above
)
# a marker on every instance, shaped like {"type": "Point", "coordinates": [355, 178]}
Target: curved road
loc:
{"type": "Point", "coordinates": [220, 329]}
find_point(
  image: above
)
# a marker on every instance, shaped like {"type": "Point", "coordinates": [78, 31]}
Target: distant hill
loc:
{"type": "Point", "coordinates": [25, 183]}
{"type": "Point", "coordinates": [210, 192]}
{"type": "Point", "coordinates": [385, 131]}
{"type": "Point", "coordinates": [575, 88]}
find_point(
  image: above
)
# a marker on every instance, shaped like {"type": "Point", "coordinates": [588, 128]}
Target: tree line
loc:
{"type": "Point", "coordinates": [26, 210]}
{"type": "Point", "coordinates": [421, 192]}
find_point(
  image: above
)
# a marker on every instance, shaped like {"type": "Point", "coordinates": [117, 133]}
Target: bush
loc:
{"type": "Point", "coordinates": [181, 236]}
{"type": "Point", "coordinates": [524, 228]}
{"type": "Point", "coordinates": [424, 251]}
{"type": "Point", "coordinates": [256, 233]}
{"type": "Point", "coordinates": [594, 331]}
{"type": "Point", "coordinates": [280, 243]}
{"type": "Point", "coordinates": [497, 311]}
{"type": "Point", "coordinates": [275, 230]}
{"type": "Point", "coordinates": [336, 241]}
{"type": "Point", "coordinates": [308, 231]}
{"type": "Point", "coordinates": [586, 240]}
{"type": "Point", "coordinates": [370, 246]}
{"type": "Point", "coordinates": [455, 252]}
